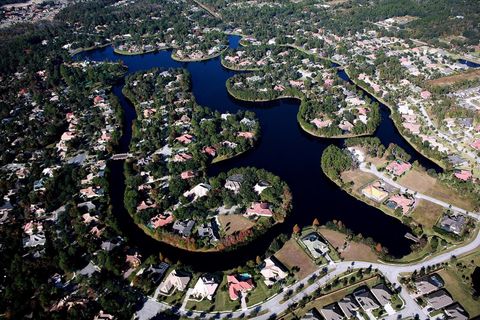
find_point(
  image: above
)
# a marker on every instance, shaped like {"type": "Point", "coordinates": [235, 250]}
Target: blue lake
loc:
{"type": "Point", "coordinates": [284, 149]}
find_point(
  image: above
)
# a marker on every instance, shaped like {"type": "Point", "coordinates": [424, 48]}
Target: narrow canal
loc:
{"type": "Point", "coordinates": [284, 149]}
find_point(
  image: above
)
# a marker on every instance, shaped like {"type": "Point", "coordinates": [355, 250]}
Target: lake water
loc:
{"type": "Point", "coordinates": [284, 149]}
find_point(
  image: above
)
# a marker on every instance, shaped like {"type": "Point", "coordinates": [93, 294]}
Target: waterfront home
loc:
{"type": "Point", "coordinates": [239, 285]}
{"type": "Point", "coordinates": [383, 295]}
{"type": "Point", "coordinates": [463, 175]}
{"type": "Point", "coordinates": [176, 280]}
{"type": "Point", "coordinates": [366, 300]}
{"type": "Point", "coordinates": [398, 167]}
{"type": "Point", "coordinates": [456, 312]}
{"type": "Point", "coordinates": [313, 314]}
{"type": "Point", "coordinates": [453, 223]}
{"type": "Point", "coordinates": [209, 230]}
{"type": "Point", "coordinates": [204, 288]}
{"type": "Point", "coordinates": [161, 220]}
{"type": "Point", "coordinates": [428, 284]}
{"type": "Point", "coordinates": [272, 271]}
{"type": "Point", "coordinates": [183, 228]}
{"type": "Point", "coordinates": [331, 312]}
{"type": "Point", "coordinates": [133, 260]}
{"type": "Point", "coordinates": [200, 190]}
{"type": "Point", "coordinates": [315, 245]}
{"type": "Point", "coordinates": [234, 182]}
{"type": "Point", "coordinates": [260, 186]}
{"type": "Point", "coordinates": [349, 306]}
{"type": "Point", "coordinates": [319, 123]}
{"type": "Point", "coordinates": [259, 209]}
{"type": "Point", "coordinates": [456, 160]}
{"type": "Point", "coordinates": [211, 151]}
{"type": "Point", "coordinates": [154, 273]}
{"type": "Point", "coordinates": [246, 134]}
{"type": "Point", "coordinates": [439, 299]}
{"type": "Point", "coordinates": [402, 201]}
{"type": "Point", "coordinates": [375, 191]}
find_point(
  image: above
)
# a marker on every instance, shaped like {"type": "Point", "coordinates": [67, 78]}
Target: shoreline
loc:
{"type": "Point", "coordinates": [392, 110]}
{"type": "Point", "coordinates": [281, 97]}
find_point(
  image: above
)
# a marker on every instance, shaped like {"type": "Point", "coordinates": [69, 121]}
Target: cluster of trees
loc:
{"type": "Point", "coordinates": [334, 161]}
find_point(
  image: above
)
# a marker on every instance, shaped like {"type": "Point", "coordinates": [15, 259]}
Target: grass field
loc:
{"type": "Point", "coordinates": [359, 178]}
{"type": "Point", "coordinates": [353, 251]}
{"type": "Point", "coordinates": [446, 81]}
{"type": "Point", "coordinates": [460, 291]}
{"type": "Point", "coordinates": [420, 181]}
{"type": "Point", "coordinates": [292, 255]}
{"type": "Point", "coordinates": [427, 213]}
{"type": "Point", "coordinates": [234, 222]}
{"type": "Point", "coordinates": [458, 282]}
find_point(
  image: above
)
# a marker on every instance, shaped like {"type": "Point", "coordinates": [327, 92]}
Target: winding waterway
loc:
{"type": "Point", "coordinates": [284, 149]}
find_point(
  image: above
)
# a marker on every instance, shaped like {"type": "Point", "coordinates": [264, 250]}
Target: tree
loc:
{"type": "Point", "coordinates": [378, 247]}
{"type": "Point", "coordinates": [296, 229]}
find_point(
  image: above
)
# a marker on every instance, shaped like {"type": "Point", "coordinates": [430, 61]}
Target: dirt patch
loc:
{"type": "Point", "coordinates": [447, 81]}
{"type": "Point", "coordinates": [292, 255]}
{"type": "Point", "coordinates": [359, 178]}
{"type": "Point", "coordinates": [234, 222]}
{"type": "Point", "coordinates": [427, 213]}
{"type": "Point", "coordinates": [352, 251]}
{"type": "Point", "coordinates": [420, 181]}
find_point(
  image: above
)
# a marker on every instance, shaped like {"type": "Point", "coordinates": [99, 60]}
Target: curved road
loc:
{"type": "Point", "coordinates": [274, 305]}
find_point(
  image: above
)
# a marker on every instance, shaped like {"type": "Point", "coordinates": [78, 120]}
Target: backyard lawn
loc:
{"type": "Point", "coordinates": [292, 255]}
{"type": "Point", "coordinates": [234, 222]}
{"type": "Point", "coordinates": [420, 181]}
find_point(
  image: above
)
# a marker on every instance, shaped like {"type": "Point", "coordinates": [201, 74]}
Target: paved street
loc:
{"type": "Point", "coordinates": [373, 170]}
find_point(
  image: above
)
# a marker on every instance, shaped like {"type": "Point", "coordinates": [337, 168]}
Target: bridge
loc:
{"type": "Point", "coordinates": [121, 156]}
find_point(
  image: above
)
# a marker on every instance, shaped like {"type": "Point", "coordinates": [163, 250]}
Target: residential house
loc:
{"type": "Point", "coordinates": [200, 190]}
{"type": "Point", "coordinates": [239, 285]}
{"type": "Point", "coordinates": [453, 223]}
{"type": "Point", "coordinates": [209, 230]}
{"type": "Point", "coordinates": [88, 270]}
{"type": "Point", "coordinates": [398, 167]}
{"type": "Point", "coordinates": [456, 312]}
{"type": "Point", "coordinates": [439, 299]}
{"type": "Point", "coordinates": [382, 293]}
{"type": "Point", "coordinates": [402, 201]}
{"type": "Point", "coordinates": [366, 300]}
{"type": "Point", "coordinates": [272, 271]}
{"type": "Point", "coordinates": [349, 306]}
{"type": "Point", "coordinates": [154, 273]}
{"type": "Point", "coordinates": [234, 183]}
{"type": "Point", "coordinates": [161, 220]}
{"type": "Point", "coordinates": [204, 288]}
{"type": "Point", "coordinates": [428, 284]}
{"type": "Point", "coordinates": [332, 312]}
{"type": "Point", "coordinates": [375, 191]}
{"type": "Point", "coordinates": [260, 186]}
{"type": "Point", "coordinates": [176, 280]}
{"type": "Point", "coordinates": [259, 209]}
{"type": "Point", "coordinates": [183, 228]}
{"type": "Point", "coordinates": [315, 245]}
{"type": "Point", "coordinates": [313, 314]}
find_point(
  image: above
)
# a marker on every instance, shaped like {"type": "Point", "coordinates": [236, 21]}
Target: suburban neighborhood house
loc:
{"type": "Point", "coordinates": [174, 281]}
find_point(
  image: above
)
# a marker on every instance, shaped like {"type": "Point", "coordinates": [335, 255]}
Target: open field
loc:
{"type": "Point", "coordinates": [234, 222]}
{"type": "Point", "coordinates": [358, 177]}
{"type": "Point", "coordinates": [446, 81]}
{"type": "Point", "coordinates": [420, 181]}
{"type": "Point", "coordinates": [460, 291]}
{"type": "Point", "coordinates": [427, 213]}
{"type": "Point", "coordinates": [353, 251]}
{"type": "Point", "coordinates": [292, 255]}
